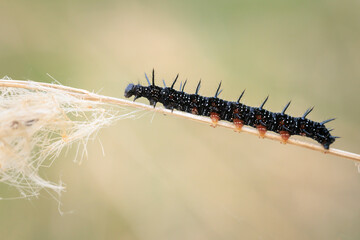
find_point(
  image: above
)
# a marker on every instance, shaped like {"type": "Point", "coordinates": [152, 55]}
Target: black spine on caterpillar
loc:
{"type": "Point", "coordinates": [236, 112]}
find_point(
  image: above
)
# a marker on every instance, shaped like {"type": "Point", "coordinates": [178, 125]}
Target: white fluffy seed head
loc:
{"type": "Point", "coordinates": [35, 125]}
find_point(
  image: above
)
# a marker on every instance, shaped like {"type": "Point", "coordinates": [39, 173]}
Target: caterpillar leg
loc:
{"type": "Point", "coordinates": [194, 111]}
{"type": "Point", "coordinates": [262, 130]}
{"type": "Point", "coordinates": [215, 117]}
{"type": "Point", "coordinates": [238, 124]}
{"type": "Point", "coordinates": [284, 136]}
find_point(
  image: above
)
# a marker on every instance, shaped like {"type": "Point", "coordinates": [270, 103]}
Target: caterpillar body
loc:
{"type": "Point", "coordinates": [237, 113]}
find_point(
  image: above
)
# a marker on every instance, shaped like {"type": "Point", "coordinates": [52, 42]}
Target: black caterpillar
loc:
{"type": "Point", "coordinates": [236, 112]}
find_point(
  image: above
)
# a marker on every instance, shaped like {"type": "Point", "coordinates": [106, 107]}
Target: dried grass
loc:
{"type": "Point", "coordinates": [37, 120]}
{"type": "Point", "coordinates": [36, 123]}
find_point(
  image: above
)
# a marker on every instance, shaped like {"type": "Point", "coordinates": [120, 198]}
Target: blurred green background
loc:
{"type": "Point", "coordinates": [169, 178]}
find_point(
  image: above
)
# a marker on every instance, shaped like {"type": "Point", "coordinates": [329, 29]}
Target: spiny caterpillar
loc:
{"type": "Point", "coordinates": [235, 112]}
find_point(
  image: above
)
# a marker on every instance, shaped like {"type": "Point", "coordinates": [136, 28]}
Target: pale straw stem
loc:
{"type": "Point", "coordinates": [86, 95]}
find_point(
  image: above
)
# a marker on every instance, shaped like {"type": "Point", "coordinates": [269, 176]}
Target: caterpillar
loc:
{"type": "Point", "coordinates": [236, 112]}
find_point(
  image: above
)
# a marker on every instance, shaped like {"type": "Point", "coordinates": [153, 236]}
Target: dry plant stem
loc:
{"type": "Point", "coordinates": [86, 95]}
{"type": "Point", "coordinates": [36, 123]}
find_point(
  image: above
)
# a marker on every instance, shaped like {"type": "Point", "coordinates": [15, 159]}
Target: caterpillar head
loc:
{"type": "Point", "coordinates": [129, 90]}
